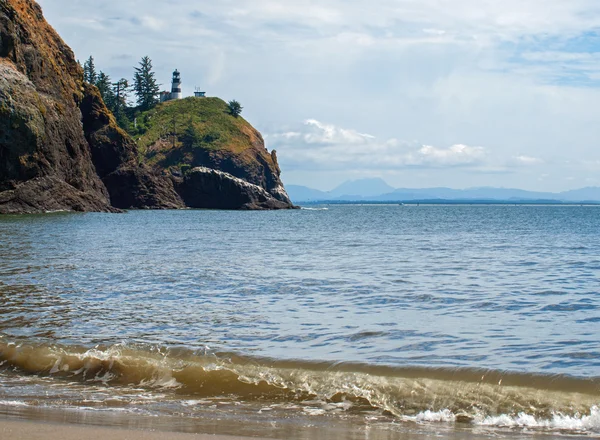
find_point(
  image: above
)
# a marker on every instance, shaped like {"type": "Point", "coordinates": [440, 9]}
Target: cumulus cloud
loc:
{"type": "Point", "coordinates": [318, 133]}
{"type": "Point", "coordinates": [455, 155]}
{"type": "Point", "coordinates": [321, 145]}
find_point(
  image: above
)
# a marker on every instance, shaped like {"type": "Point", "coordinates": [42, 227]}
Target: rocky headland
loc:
{"type": "Point", "coordinates": [61, 148]}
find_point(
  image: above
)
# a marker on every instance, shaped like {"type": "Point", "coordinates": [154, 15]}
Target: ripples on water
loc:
{"type": "Point", "coordinates": [504, 287]}
{"type": "Point", "coordinates": [474, 287]}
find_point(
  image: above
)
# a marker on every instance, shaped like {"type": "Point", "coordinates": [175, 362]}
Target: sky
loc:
{"type": "Point", "coordinates": [422, 93]}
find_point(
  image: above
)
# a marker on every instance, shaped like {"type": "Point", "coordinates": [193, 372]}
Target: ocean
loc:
{"type": "Point", "coordinates": [343, 321]}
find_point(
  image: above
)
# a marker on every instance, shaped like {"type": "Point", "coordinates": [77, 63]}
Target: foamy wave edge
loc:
{"type": "Point", "coordinates": [559, 422]}
{"type": "Point", "coordinates": [579, 423]}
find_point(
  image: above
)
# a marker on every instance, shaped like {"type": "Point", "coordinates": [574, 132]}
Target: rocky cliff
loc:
{"type": "Point", "coordinates": [181, 135]}
{"type": "Point", "coordinates": [45, 160]}
{"type": "Point", "coordinates": [61, 149]}
{"type": "Point", "coordinates": [203, 188]}
{"type": "Point", "coordinates": [130, 184]}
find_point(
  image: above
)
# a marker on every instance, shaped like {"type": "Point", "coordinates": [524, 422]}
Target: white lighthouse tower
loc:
{"type": "Point", "coordinates": [176, 87]}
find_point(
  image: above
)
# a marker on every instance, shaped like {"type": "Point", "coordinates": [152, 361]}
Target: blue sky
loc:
{"type": "Point", "coordinates": [421, 93]}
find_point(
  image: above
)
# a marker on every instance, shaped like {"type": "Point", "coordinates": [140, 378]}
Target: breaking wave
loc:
{"type": "Point", "coordinates": [477, 397]}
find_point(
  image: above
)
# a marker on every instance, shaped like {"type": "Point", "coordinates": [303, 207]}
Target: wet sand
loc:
{"type": "Point", "coordinates": [27, 429]}
{"type": "Point", "coordinates": [19, 430]}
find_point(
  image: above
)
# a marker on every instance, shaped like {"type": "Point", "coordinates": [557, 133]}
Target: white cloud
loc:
{"type": "Point", "coordinates": [455, 155]}
{"type": "Point", "coordinates": [319, 133]}
{"type": "Point", "coordinates": [327, 146]}
{"type": "Point", "coordinates": [525, 160]}
{"type": "Point", "coordinates": [507, 19]}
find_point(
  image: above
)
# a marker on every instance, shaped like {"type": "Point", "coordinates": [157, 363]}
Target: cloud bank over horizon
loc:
{"type": "Point", "coordinates": [326, 147]}
{"type": "Point", "coordinates": [451, 93]}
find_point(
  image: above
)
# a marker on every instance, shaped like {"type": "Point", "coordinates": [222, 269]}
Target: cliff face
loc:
{"type": "Point", "coordinates": [199, 132]}
{"type": "Point", "coordinates": [129, 183]}
{"type": "Point", "coordinates": [61, 149]}
{"type": "Point", "coordinates": [203, 188]}
{"type": "Point", "coordinates": [45, 161]}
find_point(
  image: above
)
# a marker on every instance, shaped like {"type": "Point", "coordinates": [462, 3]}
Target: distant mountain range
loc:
{"type": "Point", "coordinates": [377, 190]}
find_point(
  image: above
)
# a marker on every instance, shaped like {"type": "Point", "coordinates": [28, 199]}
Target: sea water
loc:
{"type": "Point", "coordinates": [336, 321]}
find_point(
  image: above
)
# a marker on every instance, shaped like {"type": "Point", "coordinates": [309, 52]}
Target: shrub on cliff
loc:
{"type": "Point", "coordinates": [235, 108]}
{"type": "Point", "coordinates": [191, 137]}
{"type": "Point", "coordinates": [194, 138]}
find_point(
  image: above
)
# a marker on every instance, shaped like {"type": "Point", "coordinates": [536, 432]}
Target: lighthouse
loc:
{"type": "Point", "coordinates": [176, 88]}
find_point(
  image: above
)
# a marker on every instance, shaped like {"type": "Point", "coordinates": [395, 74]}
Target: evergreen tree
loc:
{"type": "Point", "coordinates": [105, 87]}
{"type": "Point", "coordinates": [89, 71]}
{"type": "Point", "coordinates": [145, 86]}
{"type": "Point", "coordinates": [121, 95]}
{"type": "Point", "coordinates": [235, 108]}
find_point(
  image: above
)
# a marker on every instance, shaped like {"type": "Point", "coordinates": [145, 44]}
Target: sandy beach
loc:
{"type": "Point", "coordinates": [29, 430]}
{"type": "Point", "coordinates": [39, 430]}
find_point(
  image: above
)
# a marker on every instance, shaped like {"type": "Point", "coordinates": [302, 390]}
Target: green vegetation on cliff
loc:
{"type": "Point", "coordinates": [176, 136]}
{"type": "Point", "coordinates": [175, 133]}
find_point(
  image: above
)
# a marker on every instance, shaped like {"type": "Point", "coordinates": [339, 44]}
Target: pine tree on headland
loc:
{"type": "Point", "coordinates": [105, 88]}
{"type": "Point", "coordinates": [235, 108]}
{"type": "Point", "coordinates": [145, 86]}
{"type": "Point", "coordinates": [89, 71]}
{"type": "Point", "coordinates": [121, 92]}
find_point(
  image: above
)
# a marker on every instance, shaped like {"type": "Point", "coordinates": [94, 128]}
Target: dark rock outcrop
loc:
{"type": "Point", "coordinates": [253, 165]}
{"type": "Point", "coordinates": [114, 153]}
{"type": "Point", "coordinates": [49, 194]}
{"type": "Point", "coordinates": [137, 187]}
{"type": "Point", "coordinates": [208, 188]}
{"type": "Point", "coordinates": [45, 161]}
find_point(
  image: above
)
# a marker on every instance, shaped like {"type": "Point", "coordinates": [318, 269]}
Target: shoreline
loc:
{"type": "Point", "coordinates": [33, 429]}
{"type": "Point", "coordinates": [39, 430]}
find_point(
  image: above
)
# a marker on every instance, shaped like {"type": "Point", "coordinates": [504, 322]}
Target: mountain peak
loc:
{"type": "Point", "coordinates": [367, 187]}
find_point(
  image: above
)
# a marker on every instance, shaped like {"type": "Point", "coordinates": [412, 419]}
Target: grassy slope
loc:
{"type": "Point", "coordinates": [194, 124]}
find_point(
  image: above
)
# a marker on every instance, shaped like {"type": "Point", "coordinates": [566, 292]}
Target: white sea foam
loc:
{"type": "Point", "coordinates": [444, 415]}
{"type": "Point", "coordinates": [12, 403]}
{"type": "Point", "coordinates": [164, 380]}
{"type": "Point", "coordinates": [314, 411]}
{"type": "Point", "coordinates": [315, 209]}
{"type": "Point", "coordinates": [196, 402]}
{"type": "Point", "coordinates": [579, 422]}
